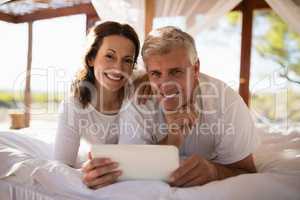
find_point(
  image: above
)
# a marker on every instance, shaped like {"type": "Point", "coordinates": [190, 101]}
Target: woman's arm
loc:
{"type": "Point", "coordinates": [67, 139]}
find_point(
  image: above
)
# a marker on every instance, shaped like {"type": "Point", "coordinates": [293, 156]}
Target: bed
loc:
{"type": "Point", "coordinates": [28, 172]}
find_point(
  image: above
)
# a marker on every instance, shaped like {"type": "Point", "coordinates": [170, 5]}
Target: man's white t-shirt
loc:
{"type": "Point", "coordinates": [224, 133]}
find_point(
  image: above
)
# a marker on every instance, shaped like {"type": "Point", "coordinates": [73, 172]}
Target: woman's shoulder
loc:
{"type": "Point", "coordinates": [71, 103]}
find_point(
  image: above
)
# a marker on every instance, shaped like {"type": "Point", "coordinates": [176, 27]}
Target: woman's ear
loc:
{"type": "Point", "coordinates": [90, 62]}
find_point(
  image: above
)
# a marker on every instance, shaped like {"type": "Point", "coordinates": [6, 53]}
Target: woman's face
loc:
{"type": "Point", "coordinates": [114, 62]}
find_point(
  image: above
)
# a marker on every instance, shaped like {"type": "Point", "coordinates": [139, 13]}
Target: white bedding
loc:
{"type": "Point", "coordinates": [29, 162]}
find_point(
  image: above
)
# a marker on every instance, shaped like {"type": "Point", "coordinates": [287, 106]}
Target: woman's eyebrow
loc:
{"type": "Point", "coordinates": [111, 50]}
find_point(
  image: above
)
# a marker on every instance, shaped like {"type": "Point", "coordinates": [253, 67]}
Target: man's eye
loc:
{"type": "Point", "coordinates": [155, 74]}
{"type": "Point", "coordinates": [176, 72]}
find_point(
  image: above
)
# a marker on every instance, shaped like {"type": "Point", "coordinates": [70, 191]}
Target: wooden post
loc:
{"type": "Point", "coordinates": [27, 94]}
{"type": "Point", "coordinates": [149, 15]}
{"type": "Point", "coordinates": [90, 21]}
{"type": "Point", "coordinates": [246, 44]}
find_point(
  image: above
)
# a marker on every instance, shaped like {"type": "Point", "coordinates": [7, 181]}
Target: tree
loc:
{"type": "Point", "coordinates": [277, 43]}
{"type": "Point", "coordinates": [281, 45]}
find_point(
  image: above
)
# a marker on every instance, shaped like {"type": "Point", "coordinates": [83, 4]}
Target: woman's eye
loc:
{"type": "Point", "coordinates": [109, 56]}
{"type": "Point", "coordinates": [129, 61]}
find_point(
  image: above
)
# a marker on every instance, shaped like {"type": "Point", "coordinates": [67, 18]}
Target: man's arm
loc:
{"type": "Point", "coordinates": [198, 171]}
{"type": "Point", "coordinates": [241, 167]}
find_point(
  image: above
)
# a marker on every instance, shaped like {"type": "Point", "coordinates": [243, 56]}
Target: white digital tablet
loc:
{"type": "Point", "coordinates": [141, 162]}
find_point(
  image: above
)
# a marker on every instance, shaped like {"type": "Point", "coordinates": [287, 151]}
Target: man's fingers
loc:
{"type": "Point", "coordinates": [187, 165]}
{"type": "Point", "coordinates": [200, 180]}
{"type": "Point", "coordinates": [188, 177]}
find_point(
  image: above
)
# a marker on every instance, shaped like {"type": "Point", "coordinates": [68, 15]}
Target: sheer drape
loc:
{"type": "Point", "coordinates": [198, 14]}
{"type": "Point", "coordinates": [124, 11]}
{"type": "Point", "coordinates": [289, 11]}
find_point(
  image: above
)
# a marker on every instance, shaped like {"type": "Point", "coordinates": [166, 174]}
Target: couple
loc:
{"type": "Point", "coordinates": [204, 118]}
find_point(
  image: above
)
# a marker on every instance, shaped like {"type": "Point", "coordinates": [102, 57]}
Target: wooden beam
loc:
{"type": "Point", "coordinates": [256, 4]}
{"type": "Point", "coordinates": [246, 44]}
{"type": "Point", "coordinates": [90, 21]}
{"type": "Point", "coordinates": [149, 15]}
{"type": "Point", "coordinates": [48, 13]}
{"type": "Point", "coordinates": [7, 18]}
{"type": "Point", "coordinates": [27, 94]}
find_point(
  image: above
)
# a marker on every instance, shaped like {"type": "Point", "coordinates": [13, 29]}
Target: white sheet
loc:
{"type": "Point", "coordinates": [278, 161]}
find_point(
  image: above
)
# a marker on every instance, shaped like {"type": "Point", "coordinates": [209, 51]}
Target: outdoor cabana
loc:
{"type": "Point", "coordinates": [27, 168]}
{"type": "Point", "coordinates": [15, 11]}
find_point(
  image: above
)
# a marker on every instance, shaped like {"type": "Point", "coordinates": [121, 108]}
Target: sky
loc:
{"type": "Point", "coordinates": [58, 46]}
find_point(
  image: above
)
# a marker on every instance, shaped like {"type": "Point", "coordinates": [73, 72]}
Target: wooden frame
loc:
{"type": "Point", "coordinates": [247, 8]}
{"type": "Point", "coordinates": [48, 13]}
{"type": "Point", "coordinates": [149, 15]}
{"type": "Point", "coordinates": [7, 18]}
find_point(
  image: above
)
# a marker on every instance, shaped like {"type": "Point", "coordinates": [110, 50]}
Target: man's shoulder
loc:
{"type": "Point", "coordinates": [208, 82]}
{"type": "Point", "coordinates": [216, 94]}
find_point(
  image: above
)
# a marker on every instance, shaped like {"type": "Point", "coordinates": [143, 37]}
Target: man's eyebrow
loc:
{"type": "Point", "coordinates": [175, 68]}
{"type": "Point", "coordinates": [155, 71]}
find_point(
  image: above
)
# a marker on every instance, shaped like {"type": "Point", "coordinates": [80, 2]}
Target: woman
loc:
{"type": "Point", "coordinates": [99, 91]}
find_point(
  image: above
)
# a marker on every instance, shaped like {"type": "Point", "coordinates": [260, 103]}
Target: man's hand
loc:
{"type": "Point", "coordinates": [194, 171]}
{"type": "Point", "coordinates": [198, 171]}
{"type": "Point", "coordinates": [99, 172]}
{"type": "Point", "coordinates": [180, 124]}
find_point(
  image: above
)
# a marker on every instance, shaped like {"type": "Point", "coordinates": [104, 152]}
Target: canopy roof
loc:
{"type": "Point", "coordinates": [19, 11]}
{"type": "Point", "coordinates": [21, 7]}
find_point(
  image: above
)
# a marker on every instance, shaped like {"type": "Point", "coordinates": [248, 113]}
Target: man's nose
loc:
{"type": "Point", "coordinates": [168, 86]}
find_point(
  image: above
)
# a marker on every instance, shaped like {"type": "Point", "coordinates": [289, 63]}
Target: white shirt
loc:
{"type": "Point", "coordinates": [76, 124]}
{"type": "Point", "coordinates": [224, 133]}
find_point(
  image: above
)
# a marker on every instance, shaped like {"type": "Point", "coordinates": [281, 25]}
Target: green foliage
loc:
{"type": "Point", "coordinates": [37, 97]}
{"type": "Point", "coordinates": [233, 17]}
{"type": "Point", "coordinates": [281, 45]}
{"type": "Point", "coordinates": [265, 104]}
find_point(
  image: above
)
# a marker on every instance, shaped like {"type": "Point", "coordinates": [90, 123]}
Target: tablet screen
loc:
{"type": "Point", "coordinates": [141, 162]}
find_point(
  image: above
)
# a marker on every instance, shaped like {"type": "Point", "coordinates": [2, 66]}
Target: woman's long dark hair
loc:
{"type": "Point", "coordinates": [86, 77]}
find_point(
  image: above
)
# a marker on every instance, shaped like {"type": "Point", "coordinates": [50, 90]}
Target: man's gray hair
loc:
{"type": "Point", "coordinates": [162, 40]}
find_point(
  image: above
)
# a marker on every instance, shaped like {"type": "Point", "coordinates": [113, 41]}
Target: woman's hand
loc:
{"type": "Point", "coordinates": [99, 172]}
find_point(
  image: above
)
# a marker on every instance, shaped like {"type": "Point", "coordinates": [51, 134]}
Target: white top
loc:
{"type": "Point", "coordinates": [225, 132]}
{"type": "Point", "coordinates": [78, 125]}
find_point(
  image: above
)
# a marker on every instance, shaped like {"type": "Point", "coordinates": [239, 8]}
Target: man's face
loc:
{"type": "Point", "coordinates": [173, 78]}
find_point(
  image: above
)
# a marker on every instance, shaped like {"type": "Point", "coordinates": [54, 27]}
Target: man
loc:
{"type": "Point", "coordinates": [204, 118]}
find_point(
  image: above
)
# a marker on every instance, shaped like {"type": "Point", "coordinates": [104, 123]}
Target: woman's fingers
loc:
{"type": "Point", "coordinates": [100, 171]}
{"type": "Point", "coordinates": [96, 162]}
{"type": "Point", "coordinates": [104, 180]}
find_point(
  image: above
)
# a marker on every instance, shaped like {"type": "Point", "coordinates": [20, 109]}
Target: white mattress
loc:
{"type": "Point", "coordinates": [10, 189]}
{"type": "Point", "coordinates": [278, 161]}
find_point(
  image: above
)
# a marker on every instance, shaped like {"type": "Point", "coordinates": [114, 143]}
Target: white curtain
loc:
{"type": "Point", "coordinates": [198, 14]}
{"type": "Point", "coordinates": [123, 11]}
{"type": "Point", "coordinates": [288, 10]}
